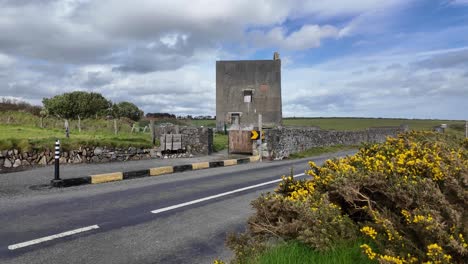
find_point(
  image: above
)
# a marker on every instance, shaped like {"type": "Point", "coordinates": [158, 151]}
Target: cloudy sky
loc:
{"type": "Point", "coordinates": [366, 58]}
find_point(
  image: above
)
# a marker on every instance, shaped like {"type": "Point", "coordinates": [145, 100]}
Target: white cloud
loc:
{"type": "Point", "coordinates": [387, 85]}
{"type": "Point", "coordinates": [459, 2]}
{"type": "Point", "coordinates": [308, 36]}
{"type": "Point", "coordinates": [161, 56]}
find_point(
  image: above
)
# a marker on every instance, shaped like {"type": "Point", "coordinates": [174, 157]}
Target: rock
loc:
{"type": "Point", "coordinates": [65, 154]}
{"type": "Point", "coordinates": [84, 153]}
{"type": "Point", "coordinates": [95, 159]}
{"type": "Point", "coordinates": [105, 160]}
{"type": "Point", "coordinates": [25, 163]}
{"type": "Point", "coordinates": [17, 163]}
{"type": "Point", "coordinates": [10, 153]}
{"type": "Point", "coordinates": [25, 155]}
{"type": "Point", "coordinates": [132, 151]}
{"type": "Point", "coordinates": [43, 160]}
{"type": "Point", "coordinates": [98, 151]}
{"type": "Point", "coordinates": [7, 163]}
{"type": "Point", "coordinates": [77, 159]}
{"type": "Point", "coordinates": [62, 160]}
{"type": "Point", "coordinates": [15, 151]}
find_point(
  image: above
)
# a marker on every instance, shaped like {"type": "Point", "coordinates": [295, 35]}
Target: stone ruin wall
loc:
{"type": "Point", "coordinates": [281, 142]}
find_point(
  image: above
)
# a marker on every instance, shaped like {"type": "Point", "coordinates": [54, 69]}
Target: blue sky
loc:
{"type": "Point", "coordinates": [367, 58]}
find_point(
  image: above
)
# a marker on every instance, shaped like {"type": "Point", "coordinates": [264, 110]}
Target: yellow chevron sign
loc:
{"type": "Point", "coordinates": [254, 134]}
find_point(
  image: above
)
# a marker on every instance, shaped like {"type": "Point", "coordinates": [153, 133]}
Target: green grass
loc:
{"type": "Point", "coordinates": [27, 138]}
{"type": "Point", "coordinates": [296, 253]}
{"type": "Point", "coordinates": [22, 130]}
{"type": "Point", "coordinates": [363, 123]}
{"type": "Point", "coordinates": [203, 122]}
{"type": "Point", "coordinates": [320, 150]}
{"type": "Point", "coordinates": [220, 142]}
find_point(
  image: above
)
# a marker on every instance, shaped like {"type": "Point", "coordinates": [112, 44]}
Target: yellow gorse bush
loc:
{"type": "Point", "coordinates": [407, 190]}
{"type": "Point", "coordinates": [407, 196]}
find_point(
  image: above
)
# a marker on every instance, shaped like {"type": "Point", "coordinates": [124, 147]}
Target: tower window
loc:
{"type": "Point", "coordinates": [247, 96]}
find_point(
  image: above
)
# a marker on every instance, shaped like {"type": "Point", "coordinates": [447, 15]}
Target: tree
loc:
{"type": "Point", "coordinates": [124, 109]}
{"type": "Point", "coordinates": [127, 109]}
{"type": "Point", "coordinates": [76, 105]}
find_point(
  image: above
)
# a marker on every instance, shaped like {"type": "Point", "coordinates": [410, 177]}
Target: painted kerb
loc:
{"type": "Point", "coordinates": [107, 177]}
{"type": "Point", "coordinates": [118, 176]}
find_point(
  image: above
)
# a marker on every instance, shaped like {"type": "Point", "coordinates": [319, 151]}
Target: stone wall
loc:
{"type": "Point", "coordinates": [281, 142]}
{"type": "Point", "coordinates": [15, 159]}
{"type": "Point", "coordinates": [195, 140]}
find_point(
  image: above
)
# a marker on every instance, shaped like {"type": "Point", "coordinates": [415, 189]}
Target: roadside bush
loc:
{"type": "Point", "coordinates": [407, 196]}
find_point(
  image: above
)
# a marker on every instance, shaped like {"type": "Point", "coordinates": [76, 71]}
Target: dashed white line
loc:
{"type": "Point", "coordinates": [52, 237]}
{"type": "Point", "coordinates": [165, 209]}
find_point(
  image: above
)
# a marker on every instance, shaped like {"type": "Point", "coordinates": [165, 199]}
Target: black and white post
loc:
{"type": "Point", "coordinates": [57, 182]}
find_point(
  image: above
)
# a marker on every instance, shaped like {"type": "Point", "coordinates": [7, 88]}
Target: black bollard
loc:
{"type": "Point", "coordinates": [57, 182]}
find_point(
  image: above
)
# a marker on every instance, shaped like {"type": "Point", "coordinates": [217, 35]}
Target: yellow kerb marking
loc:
{"type": "Point", "coordinates": [230, 162]}
{"type": "Point", "coordinates": [254, 158]}
{"type": "Point", "coordinates": [200, 165]}
{"type": "Point", "coordinates": [161, 170]}
{"type": "Point", "coordinates": [107, 177]}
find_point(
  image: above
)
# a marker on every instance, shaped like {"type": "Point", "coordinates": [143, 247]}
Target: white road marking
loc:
{"type": "Point", "coordinates": [165, 209]}
{"type": "Point", "coordinates": [48, 238]}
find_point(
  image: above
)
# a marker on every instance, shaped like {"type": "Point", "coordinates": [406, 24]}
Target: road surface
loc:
{"type": "Point", "coordinates": [176, 218]}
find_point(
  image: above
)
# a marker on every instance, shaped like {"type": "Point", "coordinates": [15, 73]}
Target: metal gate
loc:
{"type": "Point", "coordinates": [240, 142]}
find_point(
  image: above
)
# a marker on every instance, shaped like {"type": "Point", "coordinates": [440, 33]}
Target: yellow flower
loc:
{"type": "Point", "coordinates": [369, 231]}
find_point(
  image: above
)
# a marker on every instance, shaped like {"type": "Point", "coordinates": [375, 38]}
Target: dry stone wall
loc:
{"type": "Point", "coordinates": [195, 141]}
{"type": "Point", "coordinates": [15, 159]}
{"type": "Point", "coordinates": [281, 142]}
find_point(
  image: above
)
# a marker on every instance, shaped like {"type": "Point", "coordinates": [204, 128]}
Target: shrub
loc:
{"type": "Point", "coordinates": [407, 196]}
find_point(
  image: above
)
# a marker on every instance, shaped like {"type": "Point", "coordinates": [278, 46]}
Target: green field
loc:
{"type": "Point", "coordinates": [203, 122]}
{"type": "Point", "coordinates": [22, 130]}
{"type": "Point", "coordinates": [343, 123]}
{"type": "Point", "coordinates": [363, 123]}
{"type": "Point", "coordinates": [27, 138]}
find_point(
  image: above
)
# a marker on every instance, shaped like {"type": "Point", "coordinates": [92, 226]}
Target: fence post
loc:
{"type": "Point", "coordinates": [466, 129]}
{"type": "Point", "coordinates": [57, 182]}
{"type": "Point", "coordinates": [260, 131]}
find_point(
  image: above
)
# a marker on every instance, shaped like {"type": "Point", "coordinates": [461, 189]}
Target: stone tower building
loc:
{"type": "Point", "coordinates": [245, 89]}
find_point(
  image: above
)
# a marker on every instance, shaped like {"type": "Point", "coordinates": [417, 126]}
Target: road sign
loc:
{"type": "Point", "coordinates": [254, 134]}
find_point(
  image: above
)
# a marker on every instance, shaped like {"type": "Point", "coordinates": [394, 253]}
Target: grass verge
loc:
{"type": "Point", "coordinates": [220, 142]}
{"type": "Point", "coordinates": [320, 150]}
{"type": "Point", "coordinates": [27, 138]}
{"type": "Point", "coordinates": [296, 253]}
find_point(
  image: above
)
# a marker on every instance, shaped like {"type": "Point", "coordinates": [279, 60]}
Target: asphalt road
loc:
{"type": "Point", "coordinates": [120, 222]}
